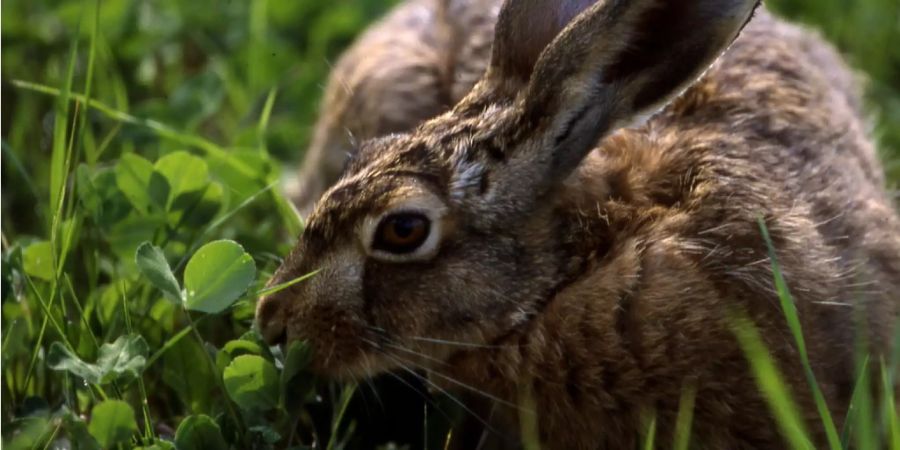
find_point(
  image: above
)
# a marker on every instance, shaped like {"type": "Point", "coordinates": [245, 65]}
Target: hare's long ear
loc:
{"type": "Point", "coordinates": [581, 68]}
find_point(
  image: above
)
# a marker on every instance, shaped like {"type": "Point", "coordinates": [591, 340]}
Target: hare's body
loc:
{"type": "Point", "coordinates": [602, 275]}
{"type": "Point", "coordinates": [763, 134]}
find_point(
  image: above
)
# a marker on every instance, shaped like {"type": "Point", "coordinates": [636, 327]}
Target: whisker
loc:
{"type": "Point", "coordinates": [473, 389]}
{"type": "Point", "coordinates": [383, 333]}
{"type": "Point", "coordinates": [368, 365]}
{"type": "Point", "coordinates": [365, 402]}
{"type": "Point", "coordinates": [442, 375]}
{"type": "Point", "coordinates": [458, 343]}
{"type": "Point", "coordinates": [447, 394]}
{"type": "Point", "coordinates": [415, 353]}
{"type": "Point", "coordinates": [425, 396]}
{"type": "Point", "coordinates": [374, 328]}
{"type": "Point", "coordinates": [483, 438]}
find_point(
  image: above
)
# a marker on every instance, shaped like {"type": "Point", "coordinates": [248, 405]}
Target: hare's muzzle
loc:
{"type": "Point", "coordinates": [270, 318]}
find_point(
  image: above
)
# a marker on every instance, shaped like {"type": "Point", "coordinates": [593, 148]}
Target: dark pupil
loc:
{"type": "Point", "coordinates": [405, 226]}
{"type": "Point", "coordinates": [401, 233]}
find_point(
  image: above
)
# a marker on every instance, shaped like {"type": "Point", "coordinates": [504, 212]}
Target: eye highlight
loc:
{"type": "Point", "coordinates": [401, 233]}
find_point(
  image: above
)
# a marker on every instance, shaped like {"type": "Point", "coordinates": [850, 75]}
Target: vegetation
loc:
{"type": "Point", "coordinates": [142, 147]}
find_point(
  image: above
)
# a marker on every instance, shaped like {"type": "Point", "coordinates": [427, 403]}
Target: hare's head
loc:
{"type": "Point", "coordinates": [452, 232]}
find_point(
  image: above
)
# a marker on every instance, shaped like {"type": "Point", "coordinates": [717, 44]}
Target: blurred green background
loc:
{"type": "Point", "coordinates": [206, 66]}
{"type": "Point", "coordinates": [206, 69]}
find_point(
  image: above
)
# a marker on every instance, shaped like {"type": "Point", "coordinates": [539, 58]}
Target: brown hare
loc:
{"type": "Point", "coordinates": [411, 66]}
{"type": "Point", "coordinates": [583, 225]}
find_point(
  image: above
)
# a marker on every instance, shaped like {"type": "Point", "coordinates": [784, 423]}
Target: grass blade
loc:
{"type": "Point", "coordinates": [343, 403]}
{"type": "Point", "coordinates": [264, 119]}
{"type": "Point", "coordinates": [60, 131]}
{"type": "Point", "coordinates": [650, 437]}
{"type": "Point", "coordinates": [892, 424]}
{"type": "Point", "coordinates": [771, 384]}
{"type": "Point", "coordinates": [685, 417]}
{"type": "Point", "coordinates": [285, 285]}
{"type": "Point", "coordinates": [790, 314]}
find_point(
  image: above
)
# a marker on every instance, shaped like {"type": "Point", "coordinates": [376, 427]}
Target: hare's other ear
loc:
{"type": "Point", "coordinates": [584, 68]}
{"type": "Point", "coordinates": [524, 29]}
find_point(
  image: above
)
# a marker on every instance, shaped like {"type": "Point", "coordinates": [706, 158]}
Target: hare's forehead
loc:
{"type": "Point", "coordinates": [366, 194]}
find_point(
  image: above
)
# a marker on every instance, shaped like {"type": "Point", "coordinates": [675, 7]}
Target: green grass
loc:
{"type": "Point", "coordinates": [170, 123]}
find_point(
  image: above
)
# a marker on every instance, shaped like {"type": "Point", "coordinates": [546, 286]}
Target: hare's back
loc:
{"type": "Point", "coordinates": [775, 125]}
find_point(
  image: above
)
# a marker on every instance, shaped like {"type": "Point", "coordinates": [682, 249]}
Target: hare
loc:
{"type": "Point", "coordinates": [582, 228]}
{"type": "Point", "coordinates": [411, 66]}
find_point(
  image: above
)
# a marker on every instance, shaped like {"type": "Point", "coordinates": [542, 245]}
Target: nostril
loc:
{"type": "Point", "coordinates": [276, 336]}
{"type": "Point", "coordinates": [273, 332]}
{"type": "Point", "coordinates": [271, 322]}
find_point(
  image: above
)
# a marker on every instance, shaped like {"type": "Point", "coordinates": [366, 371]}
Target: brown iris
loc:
{"type": "Point", "coordinates": [401, 233]}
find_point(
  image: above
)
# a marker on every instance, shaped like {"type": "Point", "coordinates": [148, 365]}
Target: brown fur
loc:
{"type": "Point", "coordinates": [601, 277]}
{"type": "Point", "coordinates": [409, 67]}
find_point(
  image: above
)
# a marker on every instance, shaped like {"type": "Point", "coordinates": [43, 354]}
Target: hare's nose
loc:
{"type": "Point", "coordinates": [270, 319]}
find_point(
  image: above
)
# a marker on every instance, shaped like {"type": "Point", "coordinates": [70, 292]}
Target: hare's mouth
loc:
{"type": "Point", "coordinates": [371, 354]}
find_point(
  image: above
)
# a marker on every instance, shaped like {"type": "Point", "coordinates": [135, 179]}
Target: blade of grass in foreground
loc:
{"type": "Point", "coordinates": [285, 285]}
{"type": "Point", "coordinates": [853, 409]}
{"type": "Point", "coordinates": [528, 424]}
{"type": "Point", "coordinates": [790, 314]}
{"type": "Point", "coordinates": [343, 402]}
{"type": "Point", "coordinates": [771, 384]}
{"type": "Point", "coordinates": [60, 131]}
{"type": "Point", "coordinates": [685, 417]}
{"type": "Point", "coordinates": [650, 438]}
{"type": "Point", "coordinates": [892, 424]}
{"type": "Point", "coordinates": [863, 406]}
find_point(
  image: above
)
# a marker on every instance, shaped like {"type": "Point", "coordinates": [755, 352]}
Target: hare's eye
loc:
{"type": "Point", "coordinates": [401, 233]}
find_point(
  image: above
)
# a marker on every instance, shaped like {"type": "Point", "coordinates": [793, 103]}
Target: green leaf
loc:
{"type": "Point", "coordinates": [264, 433]}
{"type": "Point", "coordinates": [243, 185]}
{"type": "Point", "coordinates": [127, 235]}
{"type": "Point", "coordinates": [133, 178]}
{"type": "Point", "coordinates": [183, 172]}
{"type": "Point", "coordinates": [199, 432]}
{"type": "Point", "coordinates": [240, 347]}
{"type": "Point", "coordinates": [77, 432]}
{"type": "Point", "coordinates": [158, 445]}
{"type": "Point", "coordinates": [61, 358]}
{"type": "Point", "coordinates": [296, 382]}
{"type": "Point", "coordinates": [100, 194]}
{"type": "Point", "coordinates": [216, 276]}
{"type": "Point", "coordinates": [88, 194]}
{"type": "Point", "coordinates": [37, 260]}
{"type": "Point", "coordinates": [197, 208]}
{"type": "Point", "coordinates": [235, 348]}
{"type": "Point", "coordinates": [151, 261]}
{"type": "Point", "coordinates": [26, 433]}
{"type": "Point", "coordinates": [127, 356]}
{"type": "Point", "coordinates": [187, 372]}
{"type": "Point", "coordinates": [252, 382]}
{"type": "Point", "coordinates": [112, 422]}
{"type": "Point", "coordinates": [297, 359]}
